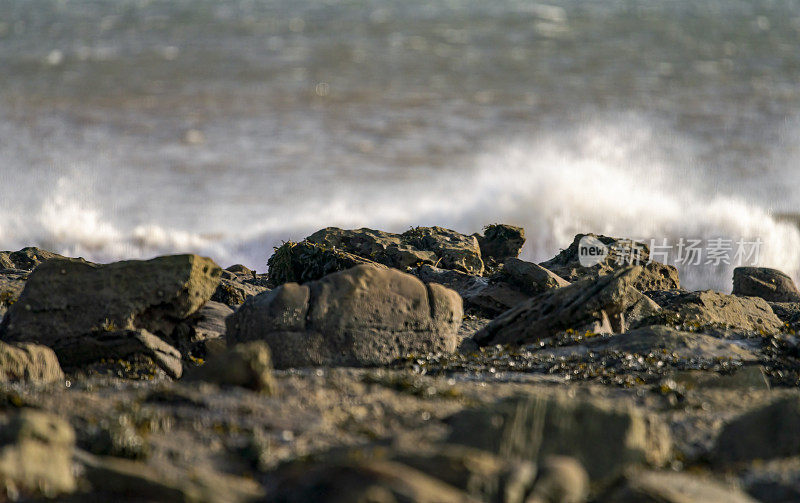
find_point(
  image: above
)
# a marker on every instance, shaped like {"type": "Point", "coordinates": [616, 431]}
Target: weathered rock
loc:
{"type": "Point", "coordinates": [204, 325]}
{"type": "Point", "coordinates": [530, 278]}
{"type": "Point", "coordinates": [25, 259]}
{"type": "Point", "coordinates": [120, 344]}
{"type": "Point", "coordinates": [500, 241]}
{"type": "Point", "coordinates": [767, 432]}
{"type": "Point", "coordinates": [306, 261]}
{"type": "Point", "coordinates": [376, 481]}
{"type": "Point", "coordinates": [671, 487]}
{"type": "Point", "coordinates": [80, 309]}
{"type": "Point", "coordinates": [36, 454]}
{"type": "Point", "coordinates": [454, 251]}
{"type": "Point", "coordinates": [363, 316]}
{"type": "Point", "coordinates": [233, 289]}
{"type": "Point", "coordinates": [12, 282]}
{"type": "Point", "coordinates": [116, 479]}
{"type": "Point", "coordinates": [481, 294]}
{"type": "Point", "coordinates": [769, 284]}
{"type": "Point", "coordinates": [421, 245]}
{"type": "Point", "coordinates": [621, 253]}
{"type": "Point", "coordinates": [480, 474]}
{"type": "Point", "coordinates": [709, 309]}
{"type": "Point", "coordinates": [29, 362]}
{"type": "Point", "coordinates": [561, 479]}
{"type": "Point", "coordinates": [586, 305]}
{"type": "Point", "coordinates": [248, 365]}
{"type": "Point", "coordinates": [602, 435]}
{"type": "Point", "coordinates": [658, 340]}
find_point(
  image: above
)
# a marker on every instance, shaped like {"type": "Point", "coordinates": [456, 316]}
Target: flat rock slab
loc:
{"type": "Point", "coordinates": [708, 309]}
{"type": "Point", "coordinates": [362, 316]}
{"type": "Point", "coordinates": [68, 302]}
{"type": "Point", "coordinates": [662, 340]}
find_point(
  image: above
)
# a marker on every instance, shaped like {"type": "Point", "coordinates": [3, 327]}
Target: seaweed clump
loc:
{"type": "Point", "coordinates": [304, 261]}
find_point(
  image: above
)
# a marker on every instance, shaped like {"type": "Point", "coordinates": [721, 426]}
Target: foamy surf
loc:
{"type": "Point", "coordinates": [616, 181]}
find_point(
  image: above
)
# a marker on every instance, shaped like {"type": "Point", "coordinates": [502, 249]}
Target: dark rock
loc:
{"type": "Point", "coordinates": [366, 315]}
{"type": "Point", "coordinates": [767, 432]}
{"type": "Point", "coordinates": [25, 259]}
{"type": "Point", "coordinates": [234, 289]}
{"type": "Point", "coordinates": [248, 365]}
{"type": "Point", "coordinates": [120, 344]}
{"type": "Point", "coordinates": [604, 436]}
{"type": "Point", "coordinates": [709, 309]}
{"type": "Point", "coordinates": [454, 251]}
{"type": "Point", "coordinates": [306, 261]}
{"type": "Point", "coordinates": [621, 253]}
{"type": "Point", "coordinates": [671, 487]}
{"type": "Point", "coordinates": [36, 454]}
{"type": "Point", "coordinates": [769, 284]}
{"type": "Point", "coordinates": [375, 481]}
{"type": "Point", "coordinates": [480, 474]}
{"type": "Point", "coordinates": [114, 479]}
{"type": "Point", "coordinates": [28, 362]}
{"type": "Point", "coordinates": [480, 294]}
{"type": "Point", "coordinates": [561, 479]}
{"type": "Point", "coordinates": [82, 310]}
{"type": "Point", "coordinates": [500, 241]}
{"type": "Point", "coordinates": [530, 278]}
{"type": "Point", "coordinates": [12, 282]}
{"type": "Point", "coordinates": [240, 270]}
{"type": "Point", "coordinates": [587, 305]}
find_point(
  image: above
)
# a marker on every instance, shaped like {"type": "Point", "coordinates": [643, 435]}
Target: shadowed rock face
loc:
{"type": "Point", "coordinates": [363, 316]}
{"type": "Point", "coordinates": [585, 305]}
{"type": "Point", "coordinates": [769, 284]}
{"type": "Point", "coordinates": [67, 302]}
{"type": "Point", "coordinates": [25, 259]}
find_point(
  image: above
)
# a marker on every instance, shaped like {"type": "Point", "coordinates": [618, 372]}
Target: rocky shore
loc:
{"type": "Point", "coordinates": [366, 366]}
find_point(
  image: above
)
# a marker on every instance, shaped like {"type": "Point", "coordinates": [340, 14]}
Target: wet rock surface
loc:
{"type": "Point", "coordinates": [768, 284]}
{"type": "Point", "coordinates": [372, 384]}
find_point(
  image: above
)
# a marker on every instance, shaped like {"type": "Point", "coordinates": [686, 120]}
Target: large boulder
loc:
{"type": "Point", "coordinates": [36, 451]}
{"type": "Point", "coordinates": [72, 306]}
{"type": "Point", "coordinates": [767, 432]}
{"type": "Point", "coordinates": [601, 305]}
{"type": "Point", "coordinates": [25, 259]}
{"type": "Point", "coordinates": [28, 362]}
{"type": "Point", "coordinates": [454, 251]}
{"type": "Point", "coordinates": [709, 309]}
{"type": "Point", "coordinates": [604, 436]}
{"type": "Point", "coordinates": [769, 284]}
{"type": "Point", "coordinates": [365, 315]}
{"type": "Point", "coordinates": [621, 253]}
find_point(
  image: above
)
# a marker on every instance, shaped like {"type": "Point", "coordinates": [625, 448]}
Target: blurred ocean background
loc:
{"type": "Point", "coordinates": [132, 128]}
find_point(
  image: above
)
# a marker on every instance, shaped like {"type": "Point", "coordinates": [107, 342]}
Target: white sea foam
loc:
{"type": "Point", "coordinates": [621, 181]}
